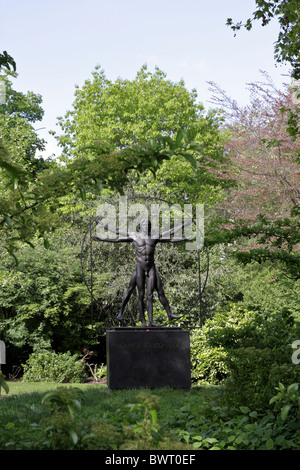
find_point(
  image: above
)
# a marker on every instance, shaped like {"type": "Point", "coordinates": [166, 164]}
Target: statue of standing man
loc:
{"type": "Point", "coordinates": [145, 272]}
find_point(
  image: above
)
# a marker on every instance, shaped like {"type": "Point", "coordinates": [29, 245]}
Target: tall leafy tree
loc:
{"type": "Point", "coordinates": [20, 216]}
{"type": "Point", "coordinates": [181, 141]}
{"type": "Point", "coordinates": [126, 111]}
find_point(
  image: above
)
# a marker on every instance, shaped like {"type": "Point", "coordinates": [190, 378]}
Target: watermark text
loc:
{"type": "Point", "coordinates": [156, 221]}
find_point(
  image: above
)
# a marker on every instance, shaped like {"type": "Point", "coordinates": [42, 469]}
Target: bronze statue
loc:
{"type": "Point", "coordinates": [145, 271]}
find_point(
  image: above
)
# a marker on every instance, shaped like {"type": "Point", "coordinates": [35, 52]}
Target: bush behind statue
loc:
{"type": "Point", "coordinates": [49, 366]}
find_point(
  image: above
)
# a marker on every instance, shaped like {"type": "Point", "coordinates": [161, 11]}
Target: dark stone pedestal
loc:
{"type": "Point", "coordinates": [148, 358]}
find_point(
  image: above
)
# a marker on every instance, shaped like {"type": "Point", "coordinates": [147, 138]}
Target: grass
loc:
{"type": "Point", "coordinates": [198, 417]}
{"type": "Point", "coordinates": [23, 403]}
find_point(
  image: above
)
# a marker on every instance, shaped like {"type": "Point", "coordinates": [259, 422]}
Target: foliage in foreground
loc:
{"type": "Point", "coordinates": [217, 428]}
{"type": "Point", "coordinates": [139, 429]}
{"type": "Point", "coordinates": [139, 426]}
{"type": "Point", "coordinates": [3, 384]}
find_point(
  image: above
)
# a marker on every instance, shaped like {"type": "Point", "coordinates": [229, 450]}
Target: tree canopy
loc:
{"type": "Point", "coordinates": [180, 141]}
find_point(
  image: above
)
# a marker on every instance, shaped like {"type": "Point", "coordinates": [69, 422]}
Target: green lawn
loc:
{"type": "Point", "coordinates": [197, 418]}
{"type": "Point", "coordinates": [24, 400]}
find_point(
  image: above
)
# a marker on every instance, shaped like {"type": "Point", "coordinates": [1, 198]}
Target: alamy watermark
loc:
{"type": "Point", "coordinates": [296, 354]}
{"type": "Point", "coordinates": [2, 92]}
{"type": "Point", "coordinates": [2, 352]}
{"type": "Point", "coordinates": [167, 222]}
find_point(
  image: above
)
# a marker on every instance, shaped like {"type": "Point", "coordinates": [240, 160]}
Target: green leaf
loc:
{"type": "Point", "coordinates": [46, 243]}
{"type": "Point", "coordinates": [4, 385]}
{"type": "Point", "coordinates": [83, 193]}
{"type": "Point", "coordinates": [8, 221]}
{"type": "Point", "coordinates": [273, 399]}
{"type": "Point", "coordinates": [197, 445]}
{"type": "Point", "coordinates": [284, 412]}
{"type": "Point", "coordinates": [15, 182]}
{"type": "Point", "coordinates": [244, 409]}
{"type": "Point", "coordinates": [179, 137]}
{"type": "Point", "coordinates": [292, 388]}
{"type": "Point", "coordinates": [189, 157]}
{"type": "Point", "coordinates": [77, 403]}
{"type": "Point", "coordinates": [99, 186]}
{"type": "Point", "coordinates": [73, 435]}
{"type": "Point", "coordinates": [153, 416]}
{"type": "Point", "coordinates": [71, 410]}
{"type": "Point", "coordinates": [211, 440]}
{"type": "Point", "coordinates": [280, 439]}
{"type": "Point", "coordinates": [50, 396]}
{"type": "Point", "coordinates": [12, 169]}
{"type": "Point", "coordinates": [270, 444]}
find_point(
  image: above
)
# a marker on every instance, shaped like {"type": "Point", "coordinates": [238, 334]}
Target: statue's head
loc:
{"type": "Point", "coordinates": [145, 226]}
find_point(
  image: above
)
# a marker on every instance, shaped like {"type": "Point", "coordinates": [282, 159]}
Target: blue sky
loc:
{"type": "Point", "coordinates": [57, 44]}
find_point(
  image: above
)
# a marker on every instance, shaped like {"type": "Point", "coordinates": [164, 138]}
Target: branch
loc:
{"type": "Point", "coordinates": [19, 212]}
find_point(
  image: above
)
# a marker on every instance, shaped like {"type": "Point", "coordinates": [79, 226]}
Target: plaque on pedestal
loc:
{"type": "Point", "coordinates": [148, 358]}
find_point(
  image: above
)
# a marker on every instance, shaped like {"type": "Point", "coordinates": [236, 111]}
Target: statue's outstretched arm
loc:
{"type": "Point", "coordinates": [125, 235]}
{"type": "Point", "coordinates": [115, 230]}
{"type": "Point", "coordinates": [173, 230]}
{"type": "Point", "coordinates": [113, 240]}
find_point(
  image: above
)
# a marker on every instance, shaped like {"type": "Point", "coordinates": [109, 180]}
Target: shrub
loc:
{"type": "Point", "coordinates": [256, 370]}
{"type": "Point", "coordinates": [248, 350]}
{"type": "Point", "coordinates": [210, 344]}
{"type": "Point", "coordinates": [48, 366]}
{"type": "Point", "coordinates": [250, 379]}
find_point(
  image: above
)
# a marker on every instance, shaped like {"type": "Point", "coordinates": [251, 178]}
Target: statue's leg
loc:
{"type": "Point", "coordinates": [140, 282]}
{"type": "Point", "coordinates": [151, 284]}
{"type": "Point", "coordinates": [132, 285]}
{"type": "Point", "coordinates": [162, 298]}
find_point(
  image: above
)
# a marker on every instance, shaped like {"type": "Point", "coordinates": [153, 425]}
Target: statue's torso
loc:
{"type": "Point", "coordinates": [145, 248]}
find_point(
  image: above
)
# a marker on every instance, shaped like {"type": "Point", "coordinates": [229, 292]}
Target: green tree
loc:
{"type": "Point", "coordinates": [20, 166]}
{"type": "Point", "coordinates": [125, 111]}
{"type": "Point", "coordinates": [183, 145]}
